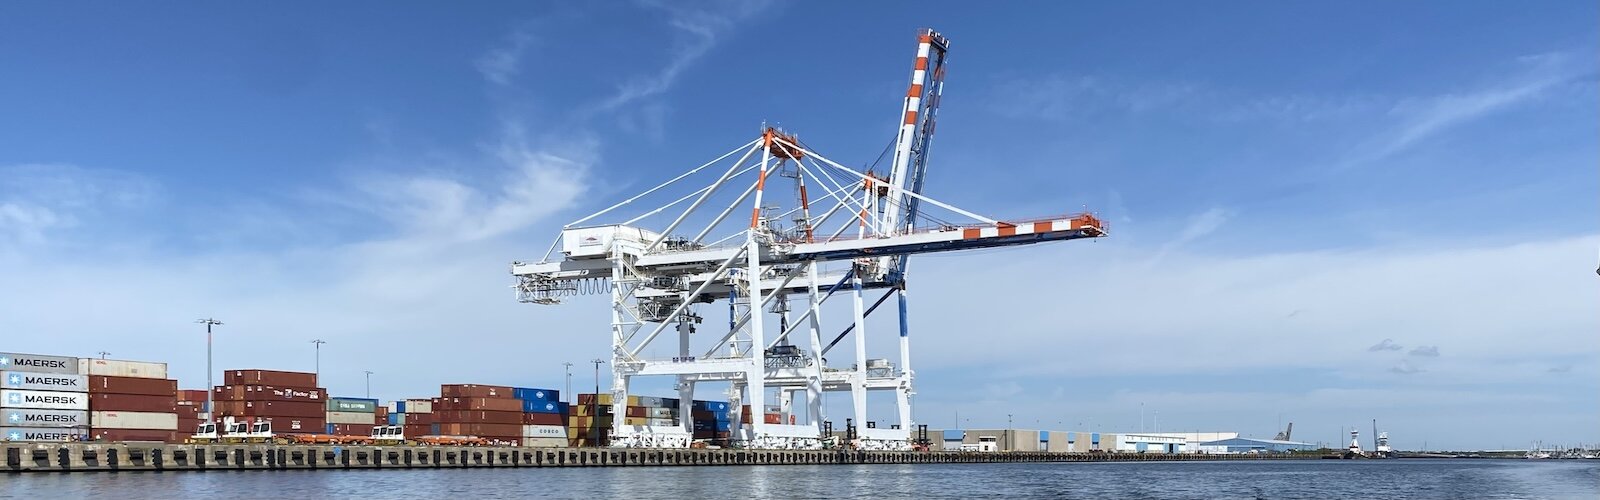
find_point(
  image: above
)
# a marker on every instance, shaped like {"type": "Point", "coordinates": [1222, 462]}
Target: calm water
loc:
{"type": "Point", "coordinates": [1297, 479]}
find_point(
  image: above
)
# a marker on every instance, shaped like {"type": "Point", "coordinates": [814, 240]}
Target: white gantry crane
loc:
{"type": "Point", "coordinates": [773, 276]}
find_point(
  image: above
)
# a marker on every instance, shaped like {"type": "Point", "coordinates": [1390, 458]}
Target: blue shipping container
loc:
{"type": "Point", "coordinates": [711, 405]}
{"type": "Point", "coordinates": [534, 394]}
{"type": "Point", "coordinates": [1072, 437]}
{"type": "Point", "coordinates": [400, 406]}
{"type": "Point", "coordinates": [954, 435]}
{"type": "Point", "coordinates": [433, 429]}
{"type": "Point", "coordinates": [1094, 438]}
{"type": "Point", "coordinates": [535, 406]}
{"type": "Point", "coordinates": [702, 425]}
{"type": "Point", "coordinates": [1044, 436]}
{"type": "Point", "coordinates": [330, 429]}
{"type": "Point", "coordinates": [394, 418]}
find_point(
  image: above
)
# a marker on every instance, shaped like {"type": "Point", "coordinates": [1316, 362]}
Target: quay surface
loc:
{"type": "Point", "coordinates": [112, 457]}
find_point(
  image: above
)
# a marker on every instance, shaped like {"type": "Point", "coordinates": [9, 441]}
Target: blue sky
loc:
{"type": "Point", "coordinates": [1289, 184]}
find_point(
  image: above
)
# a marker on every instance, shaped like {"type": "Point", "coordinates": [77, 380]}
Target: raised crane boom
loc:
{"type": "Point", "coordinates": [846, 231]}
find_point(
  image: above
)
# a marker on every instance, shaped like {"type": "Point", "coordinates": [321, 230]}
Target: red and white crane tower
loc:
{"type": "Point", "coordinates": [792, 258]}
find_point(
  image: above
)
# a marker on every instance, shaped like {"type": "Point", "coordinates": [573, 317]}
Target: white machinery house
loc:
{"type": "Point", "coordinates": [773, 276]}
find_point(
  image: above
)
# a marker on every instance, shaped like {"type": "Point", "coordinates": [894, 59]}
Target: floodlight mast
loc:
{"type": "Point", "coordinates": [656, 280]}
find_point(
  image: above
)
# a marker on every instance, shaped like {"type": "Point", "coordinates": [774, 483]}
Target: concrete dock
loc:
{"type": "Point", "coordinates": [112, 457]}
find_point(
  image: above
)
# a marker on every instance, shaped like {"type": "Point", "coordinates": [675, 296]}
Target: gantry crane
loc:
{"type": "Point", "coordinates": [663, 279]}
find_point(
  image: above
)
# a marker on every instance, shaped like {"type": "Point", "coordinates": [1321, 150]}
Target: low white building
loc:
{"type": "Point", "coordinates": [1147, 443]}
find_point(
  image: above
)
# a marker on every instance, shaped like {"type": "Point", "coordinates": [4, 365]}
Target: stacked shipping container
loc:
{"type": "Point", "coordinates": [191, 406]}
{"type": "Point", "coordinates": [42, 398]}
{"type": "Point", "coordinates": [131, 400]}
{"type": "Point", "coordinates": [509, 415]}
{"type": "Point", "coordinates": [291, 401]}
{"type": "Point", "coordinates": [414, 415]}
{"type": "Point", "coordinates": [351, 416]}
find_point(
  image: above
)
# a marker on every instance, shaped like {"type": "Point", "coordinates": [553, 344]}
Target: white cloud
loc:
{"type": "Point", "coordinates": [1097, 306]}
{"type": "Point", "coordinates": [698, 26]}
{"type": "Point", "coordinates": [501, 64]}
{"type": "Point", "coordinates": [38, 199]}
{"type": "Point", "coordinates": [1427, 351]}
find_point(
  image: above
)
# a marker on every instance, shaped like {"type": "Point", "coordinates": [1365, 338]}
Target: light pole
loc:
{"type": "Point", "coordinates": [210, 389]}
{"type": "Point", "coordinates": [318, 366]}
{"type": "Point", "coordinates": [1009, 445]}
{"type": "Point", "coordinates": [594, 416]}
{"type": "Point", "coordinates": [103, 354]}
{"type": "Point", "coordinates": [369, 384]}
{"type": "Point", "coordinates": [568, 394]}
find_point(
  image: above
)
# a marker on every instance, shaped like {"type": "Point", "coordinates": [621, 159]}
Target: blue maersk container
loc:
{"type": "Point", "coordinates": [954, 435]}
{"type": "Point", "coordinates": [1094, 438]}
{"type": "Point", "coordinates": [720, 426]}
{"type": "Point", "coordinates": [713, 406]}
{"type": "Point", "coordinates": [533, 394]}
{"type": "Point", "coordinates": [1072, 437]}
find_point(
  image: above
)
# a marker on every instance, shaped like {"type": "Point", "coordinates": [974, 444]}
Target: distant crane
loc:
{"type": "Point", "coordinates": [1286, 434]}
{"type": "Point", "coordinates": [786, 264]}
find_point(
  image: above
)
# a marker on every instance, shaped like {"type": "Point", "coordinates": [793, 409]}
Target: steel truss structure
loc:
{"type": "Point", "coordinates": [854, 239]}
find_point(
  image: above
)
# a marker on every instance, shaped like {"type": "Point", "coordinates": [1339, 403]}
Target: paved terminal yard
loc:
{"type": "Point", "coordinates": [98, 457]}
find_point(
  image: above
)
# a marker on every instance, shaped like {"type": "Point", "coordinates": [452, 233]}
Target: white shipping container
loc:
{"type": "Point", "coordinates": [419, 406]}
{"type": "Point", "coordinates": [39, 434]}
{"type": "Point", "coordinates": [133, 420]}
{"type": "Point", "coordinates": [662, 412]}
{"type": "Point", "coordinates": [542, 431]}
{"type": "Point", "coordinates": [31, 381]}
{"type": "Point", "coordinates": [351, 417]}
{"type": "Point", "coordinates": [37, 364]}
{"type": "Point", "coordinates": [120, 368]}
{"type": "Point", "coordinates": [661, 422]}
{"type": "Point", "coordinates": [545, 442]}
{"type": "Point", "coordinates": [44, 400]}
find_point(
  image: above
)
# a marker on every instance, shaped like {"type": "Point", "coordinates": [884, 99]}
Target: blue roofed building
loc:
{"type": "Point", "coordinates": [1253, 445]}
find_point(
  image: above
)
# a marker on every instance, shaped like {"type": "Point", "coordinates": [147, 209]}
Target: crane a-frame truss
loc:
{"type": "Point", "coordinates": [854, 238]}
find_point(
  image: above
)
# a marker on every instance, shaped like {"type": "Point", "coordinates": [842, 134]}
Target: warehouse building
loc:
{"type": "Point", "coordinates": [1252, 445]}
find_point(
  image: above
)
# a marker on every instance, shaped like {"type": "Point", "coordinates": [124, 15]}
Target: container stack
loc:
{"type": "Point", "coordinates": [641, 410]}
{"type": "Point", "coordinates": [351, 416]}
{"type": "Point", "coordinates": [191, 406]}
{"type": "Point", "coordinates": [491, 412]}
{"type": "Point", "coordinates": [291, 401]}
{"type": "Point", "coordinates": [42, 398]}
{"type": "Point", "coordinates": [414, 415]}
{"type": "Point", "coordinates": [131, 400]}
{"type": "Point", "coordinates": [711, 420]}
{"type": "Point", "coordinates": [543, 417]}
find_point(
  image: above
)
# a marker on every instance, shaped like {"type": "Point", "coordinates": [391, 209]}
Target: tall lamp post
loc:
{"type": "Point", "coordinates": [210, 404]}
{"type": "Point", "coordinates": [568, 394]}
{"type": "Point", "coordinates": [369, 384]}
{"type": "Point", "coordinates": [594, 416]}
{"type": "Point", "coordinates": [318, 366]}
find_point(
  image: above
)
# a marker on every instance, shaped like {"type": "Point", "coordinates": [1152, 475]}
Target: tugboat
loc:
{"type": "Point", "coordinates": [1380, 445]}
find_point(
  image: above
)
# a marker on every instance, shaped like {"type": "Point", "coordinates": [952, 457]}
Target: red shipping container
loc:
{"type": "Point", "coordinates": [280, 409]}
{"type": "Point", "coordinates": [352, 430]}
{"type": "Point", "coordinates": [294, 425]}
{"type": "Point", "coordinates": [474, 391]}
{"type": "Point", "coordinates": [638, 412]}
{"type": "Point", "coordinates": [418, 418]}
{"type": "Point", "coordinates": [455, 429]}
{"type": "Point", "coordinates": [119, 435]}
{"type": "Point", "coordinates": [253, 392]}
{"type": "Point", "coordinates": [133, 385]}
{"type": "Point", "coordinates": [191, 394]}
{"type": "Point", "coordinates": [382, 411]}
{"type": "Point", "coordinates": [543, 419]}
{"type": "Point", "coordinates": [269, 377]}
{"type": "Point", "coordinates": [478, 417]}
{"type": "Point", "coordinates": [492, 404]}
{"type": "Point", "coordinates": [417, 430]}
{"type": "Point", "coordinates": [132, 402]}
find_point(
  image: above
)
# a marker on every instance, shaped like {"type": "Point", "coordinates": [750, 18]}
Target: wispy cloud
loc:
{"type": "Point", "coordinates": [1385, 345]}
{"type": "Point", "coordinates": [1064, 96]}
{"type": "Point", "coordinates": [37, 199]}
{"type": "Point", "coordinates": [501, 64]}
{"type": "Point", "coordinates": [1427, 351]}
{"type": "Point", "coordinates": [698, 26]}
{"type": "Point", "coordinates": [1198, 226]}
